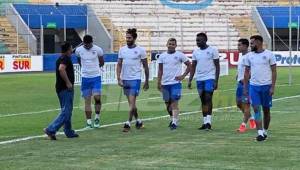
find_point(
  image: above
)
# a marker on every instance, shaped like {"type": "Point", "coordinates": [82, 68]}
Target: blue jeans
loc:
{"type": "Point", "coordinates": [64, 118]}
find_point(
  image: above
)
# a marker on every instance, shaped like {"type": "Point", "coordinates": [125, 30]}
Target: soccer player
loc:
{"type": "Point", "coordinates": [170, 77]}
{"type": "Point", "coordinates": [261, 63]}
{"type": "Point", "coordinates": [65, 92]}
{"type": "Point", "coordinates": [90, 58]}
{"type": "Point", "coordinates": [129, 73]}
{"type": "Point", "coordinates": [242, 101]}
{"type": "Point", "coordinates": [205, 62]}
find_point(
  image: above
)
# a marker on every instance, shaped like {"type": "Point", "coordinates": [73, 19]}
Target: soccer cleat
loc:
{"type": "Point", "coordinates": [89, 126]}
{"type": "Point", "coordinates": [50, 135]}
{"type": "Point", "coordinates": [203, 127]}
{"type": "Point", "coordinates": [173, 126]}
{"type": "Point", "coordinates": [252, 124]}
{"type": "Point", "coordinates": [242, 129]}
{"type": "Point", "coordinates": [74, 135]}
{"type": "Point", "coordinates": [139, 125]}
{"type": "Point", "coordinates": [96, 123]}
{"type": "Point", "coordinates": [266, 136]}
{"type": "Point", "coordinates": [208, 126]}
{"type": "Point", "coordinates": [260, 138]}
{"type": "Point", "coordinates": [126, 128]}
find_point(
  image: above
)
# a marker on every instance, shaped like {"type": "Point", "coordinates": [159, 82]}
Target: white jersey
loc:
{"type": "Point", "coordinates": [132, 65]}
{"type": "Point", "coordinates": [260, 66]}
{"type": "Point", "coordinates": [205, 68]}
{"type": "Point", "coordinates": [172, 66]}
{"type": "Point", "coordinates": [241, 67]}
{"type": "Point", "coordinates": [89, 61]}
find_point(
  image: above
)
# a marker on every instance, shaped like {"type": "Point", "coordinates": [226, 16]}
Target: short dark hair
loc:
{"type": "Point", "coordinates": [257, 37]}
{"type": "Point", "coordinates": [244, 41]}
{"type": "Point", "coordinates": [202, 34]}
{"type": "Point", "coordinates": [87, 39]}
{"type": "Point", "coordinates": [132, 32]}
{"type": "Point", "coordinates": [172, 39]}
{"type": "Point", "coordinates": [65, 47]}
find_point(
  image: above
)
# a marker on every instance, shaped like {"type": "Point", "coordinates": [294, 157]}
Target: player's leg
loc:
{"type": "Point", "coordinates": [88, 111]}
{"type": "Point", "coordinates": [267, 104]}
{"type": "Point", "coordinates": [175, 97]}
{"type": "Point", "coordinates": [208, 104]}
{"type": "Point", "coordinates": [97, 86]}
{"type": "Point", "coordinates": [200, 88]}
{"type": "Point", "coordinates": [69, 132]}
{"type": "Point", "coordinates": [208, 108]}
{"type": "Point", "coordinates": [255, 96]}
{"type": "Point", "coordinates": [59, 120]}
{"type": "Point", "coordinates": [167, 98]}
{"type": "Point", "coordinates": [86, 92]}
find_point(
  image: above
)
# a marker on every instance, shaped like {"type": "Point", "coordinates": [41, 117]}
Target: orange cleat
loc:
{"type": "Point", "coordinates": [252, 124]}
{"type": "Point", "coordinates": [242, 129]}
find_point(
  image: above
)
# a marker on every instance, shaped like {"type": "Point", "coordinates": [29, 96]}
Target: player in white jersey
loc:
{"type": "Point", "coordinates": [206, 64]}
{"type": "Point", "coordinates": [242, 101]}
{"type": "Point", "coordinates": [90, 58]}
{"type": "Point", "coordinates": [262, 65]}
{"type": "Point", "coordinates": [129, 73]}
{"type": "Point", "coordinates": [170, 77]}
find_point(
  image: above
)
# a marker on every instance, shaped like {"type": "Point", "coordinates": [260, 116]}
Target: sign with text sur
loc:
{"type": "Point", "coordinates": [10, 63]}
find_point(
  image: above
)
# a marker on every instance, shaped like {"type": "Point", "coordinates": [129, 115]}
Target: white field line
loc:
{"type": "Point", "coordinates": [105, 104]}
{"type": "Point", "coordinates": [120, 123]}
{"type": "Point", "coordinates": [112, 103]}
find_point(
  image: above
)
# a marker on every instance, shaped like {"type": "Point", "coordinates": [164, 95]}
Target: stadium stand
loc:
{"type": "Point", "coordinates": [12, 43]}
{"type": "Point", "coordinates": [157, 22]}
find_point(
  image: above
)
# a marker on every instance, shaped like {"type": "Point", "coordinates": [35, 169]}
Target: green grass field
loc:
{"type": "Point", "coordinates": [28, 103]}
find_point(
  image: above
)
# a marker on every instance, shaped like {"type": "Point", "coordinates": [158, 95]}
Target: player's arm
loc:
{"type": "Point", "coordinates": [101, 61]}
{"type": "Point", "coordinates": [217, 65]}
{"type": "Point", "coordinates": [119, 69]}
{"type": "Point", "coordinates": [64, 76]}
{"type": "Point", "coordinates": [159, 76]}
{"type": "Point", "coordinates": [274, 78]}
{"type": "Point", "coordinates": [246, 79]}
{"type": "Point", "coordinates": [146, 68]}
{"type": "Point", "coordinates": [192, 73]}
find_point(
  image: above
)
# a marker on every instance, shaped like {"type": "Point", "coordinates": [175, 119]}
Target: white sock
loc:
{"type": "Point", "coordinates": [260, 132]}
{"type": "Point", "coordinates": [208, 119]}
{"type": "Point", "coordinates": [205, 120]}
{"type": "Point", "coordinates": [174, 121]}
{"type": "Point", "coordinates": [97, 116]}
{"type": "Point", "coordinates": [243, 123]}
{"type": "Point", "coordinates": [139, 120]}
{"type": "Point", "coordinates": [265, 131]}
{"type": "Point", "coordinates": [89, 121]}
{"type": "Point", "coordinates": [127, 123]}
{"type": "Point", "coordinates": [251, 117]}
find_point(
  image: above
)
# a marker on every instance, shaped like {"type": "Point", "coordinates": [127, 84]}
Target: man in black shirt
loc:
{"type": "Point", "coordinates": [65, 92]}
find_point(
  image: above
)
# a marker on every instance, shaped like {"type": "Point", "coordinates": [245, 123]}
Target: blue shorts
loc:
{"type": "Point", "coordinates": [206, 85]}
{"type": "Point", "coordinates": [240, 97]}
{"type": "Point", "coordinates": [131, 87]}
{"type": "Point", "coordinates": [260, 95]}
{"type": "Point", "coordinates": [91, 86]}
{"type": "Point", "coordinates": [171, 92]}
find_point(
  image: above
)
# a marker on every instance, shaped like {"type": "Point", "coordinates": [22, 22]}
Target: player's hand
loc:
{"type": "Point", "coordinates": [216, 85]}
{"type": "Point", "coordinates": [159, 87]}
{"type": "Point", "coordinates": [69, 86]}
{"type": "Point", "coordinates": [120, 83]}
{"type": "Point", "coordinates": [146, 85]}
{"type": "Point", "coordinates": [179, 78]}
{"type": "Point", "coordinates": [271, 91]}
{"type": "Point", "coordinates": [189, 85]}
